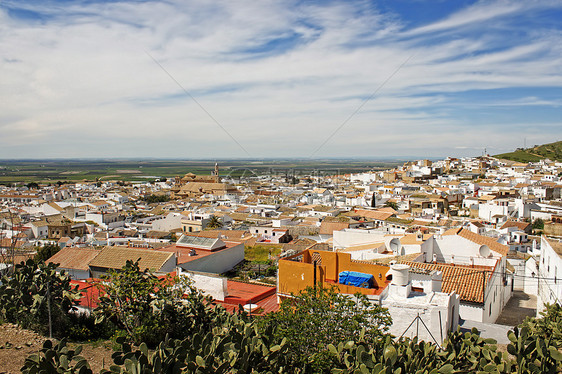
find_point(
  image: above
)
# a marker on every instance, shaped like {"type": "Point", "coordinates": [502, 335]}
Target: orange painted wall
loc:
{"type": "Point", "coordinates": [296, 276]}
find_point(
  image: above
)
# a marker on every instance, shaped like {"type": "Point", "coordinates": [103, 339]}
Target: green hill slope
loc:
{"type": "Point", "coordinates": [551, 151]}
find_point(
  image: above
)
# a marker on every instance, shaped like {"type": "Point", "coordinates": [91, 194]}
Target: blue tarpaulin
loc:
{"type": "Point", "coordinates": [354, 278]}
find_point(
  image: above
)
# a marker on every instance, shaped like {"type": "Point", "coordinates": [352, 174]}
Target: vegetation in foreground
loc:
{"type": "Point", "coordinates": [300, 338]}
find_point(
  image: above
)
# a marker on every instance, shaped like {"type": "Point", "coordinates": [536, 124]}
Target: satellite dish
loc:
{"type": "Point", "coordinates": [484, 251]}
{"type": "Point", "coordinates": [395, 245]}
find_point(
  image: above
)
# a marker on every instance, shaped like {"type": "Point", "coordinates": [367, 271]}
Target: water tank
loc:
{"type": "Point", "coordinates": [400, 274]}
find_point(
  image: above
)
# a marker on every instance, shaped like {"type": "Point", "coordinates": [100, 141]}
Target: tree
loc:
{"type": "Point", "coordinates": [538, 224]}
{"type": "Point", "coordinates": [46, 252]}
{"type": "Point", "coordinates": [374, 200]}
{"type": "Point", "coordinates": [148, 307]}
{"type": "Point", "coordinates": [391, 204]}
{"type": "Point", "coordinates": [214, 223]}
{"type": "Point", "coordinates": [318, 317]}
{"type": "Point", "coordinates": [27, 295]}
{"type": "Point", "coordinates": [150, 199]}
{"type": "Point", "coordinates": [8, 255]}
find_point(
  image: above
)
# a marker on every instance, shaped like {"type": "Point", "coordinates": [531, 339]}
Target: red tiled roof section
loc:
{"type": "Point", "coordinates": [484, 240]}
{"type": "Point", "coordinates": [241, 293]}
{"type": "Point", "coordinates": [328, 228]}
{"type": "Point", "coordinates": [90, 293]}
{"type": "Point", "coordinates": [74, 258]}
{"type": "Point", "coordinates": [467, 282]}
{"type": "Point", "coordinates": [246, 293]}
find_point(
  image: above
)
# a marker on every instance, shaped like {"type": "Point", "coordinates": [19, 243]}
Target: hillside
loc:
{"type": "Point", "coordinates": [551, 151]}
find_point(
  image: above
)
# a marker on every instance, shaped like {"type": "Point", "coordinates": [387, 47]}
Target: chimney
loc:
{"type": "Point", "coordinates": [400, 286]}
{"type": "Point", "coordinates": [436, 281]}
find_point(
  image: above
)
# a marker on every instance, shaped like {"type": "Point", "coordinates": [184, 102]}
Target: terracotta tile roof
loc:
{"type": "Point", "coordinates": [74, 258]}
{"type": "Point", "coordinates": [8, 243]}
{"type": "Point", "coordinates": [328, 228]}
{"type": "Point", "coordinates": [374, 214]}
{"type": "Point", "coordinates": [387, 209]}
{"type": "Point", "coordinates": [184, 254]}
{"type": "Point", "coordinates": [467, 282]}
{"type": "Point", "coordinates": [241, 293]}
{"type": "Point", "coordinates": [116, 257]}
{"type": "Point", "coordinates": [453, 231]}
{"type": "Point", "coordinates": [520, 225]}
{"type": "Point", "coordinates": [90, 293]}
{"type": "Point", "coordinates": [411, 239]}
{"type": "Point", "coordinates": [404, 258]}
{"type": "Point", "coordinates": [362, 247]}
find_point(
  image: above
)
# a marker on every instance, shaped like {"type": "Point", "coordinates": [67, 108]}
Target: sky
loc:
{"type": "Point", "coordinates": [266, 79]}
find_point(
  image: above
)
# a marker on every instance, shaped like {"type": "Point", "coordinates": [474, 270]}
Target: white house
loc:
{"type": "Point", "coordinates": [474, 266]}
{"type": "Point", "coordinates": [549, 273]}
{"type": "Point", "coordinates": [417, 294]}
{"type": "Point", "coordinates": [171, 221]}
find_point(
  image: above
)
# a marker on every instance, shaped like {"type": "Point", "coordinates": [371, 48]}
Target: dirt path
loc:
{"type": "Point", "coordinates": [16, 344]}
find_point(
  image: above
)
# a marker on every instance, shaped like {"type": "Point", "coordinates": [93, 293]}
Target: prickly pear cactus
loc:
{"type": "Point", "coordinates": [56, 359]}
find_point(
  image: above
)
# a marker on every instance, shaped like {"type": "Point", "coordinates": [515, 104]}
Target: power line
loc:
{"type": "Point", "coordinates": [361, 106]}
{"type": "Point", "coordinates": [197, 102]}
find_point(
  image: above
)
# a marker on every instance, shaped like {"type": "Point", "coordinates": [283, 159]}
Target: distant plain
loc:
{"type": "Point", "coordinates": [67, 170]}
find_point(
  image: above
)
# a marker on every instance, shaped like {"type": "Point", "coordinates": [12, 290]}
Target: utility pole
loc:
{"type": "Point", "coordinates": [49, 310]}
{"type": "Point", "coordinates": [484, 289]}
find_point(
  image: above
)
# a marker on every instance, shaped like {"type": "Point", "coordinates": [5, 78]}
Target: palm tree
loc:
{"type": "Point", "coordinates": [214, 223]}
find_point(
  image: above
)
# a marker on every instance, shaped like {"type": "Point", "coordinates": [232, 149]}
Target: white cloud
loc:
{"type": "Point", "coordinates": [81, 80]}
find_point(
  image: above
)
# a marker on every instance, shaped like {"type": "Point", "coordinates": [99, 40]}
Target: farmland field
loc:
{"type": "Point", "coordinates": [52, 171]}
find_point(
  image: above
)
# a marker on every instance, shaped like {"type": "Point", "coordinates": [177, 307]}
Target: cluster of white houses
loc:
{"type": "Point", "coordinates": [446, 241]}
